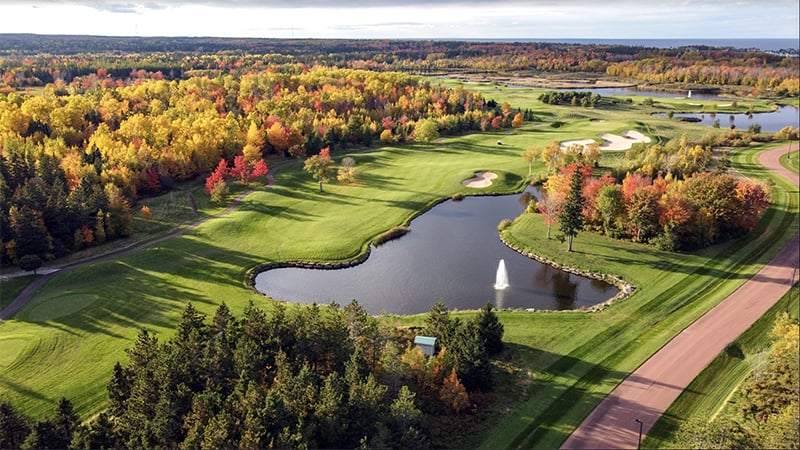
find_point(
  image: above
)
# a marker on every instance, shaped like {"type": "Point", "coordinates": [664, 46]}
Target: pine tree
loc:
{"type": "Point", "coordinates": [13, 427]}
{"type": "Point", "coordinates": [570, 220]}
{"type": "Point", "coordinates": [490, 329]}
{"type": "Point", "coordinates": [119, 389]}
{"type": "Point", "coordinates": [65, 422]}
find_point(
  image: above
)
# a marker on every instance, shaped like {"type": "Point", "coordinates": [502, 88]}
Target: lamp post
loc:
{"type": "Point", "coordinates": [641, 424]}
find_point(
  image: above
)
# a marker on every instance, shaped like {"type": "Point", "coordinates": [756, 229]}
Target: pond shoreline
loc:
{"type": "Point", "coordinates": [625, 289]}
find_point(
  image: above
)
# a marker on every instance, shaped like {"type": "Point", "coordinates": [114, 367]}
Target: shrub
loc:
{"type": "Point", "coordinates": [393, 233]}
{"type": "Point", "coordinates": [505, 223]}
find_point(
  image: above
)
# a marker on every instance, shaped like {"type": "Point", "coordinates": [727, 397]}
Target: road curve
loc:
{"type": "Point", "coordinates": [647, 392]}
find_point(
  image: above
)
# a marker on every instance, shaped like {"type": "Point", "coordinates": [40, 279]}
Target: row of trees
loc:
{"type": "Point", "coordinates": [39, 60]}
{"type": "Point", "coordinates": [573, 98]}
{"type": "Point", "coordinates": [312, 378]}
{"type": "Point", "coordinates": [96, 149]}
{"type": "Point", "coordinates": [688, 214]}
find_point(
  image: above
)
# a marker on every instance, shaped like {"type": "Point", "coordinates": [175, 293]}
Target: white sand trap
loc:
{"type": "Point", "coordinates": [616, 142]}
{"type": "Point", "coordinates": [481, 180]}
{"type": "Point", "coordinates": [566, 144]}
{"type": "Point", "coordinates": [612, 141]}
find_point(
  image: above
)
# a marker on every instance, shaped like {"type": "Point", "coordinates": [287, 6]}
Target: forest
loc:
{"type": "Point", "coordinates": [77, 157]}
{"type": "Point", "coordinates": [90, 127]}
{"type": "Point", "coordinates": [317, 377]}
{"type": "Point", "coordinates": [27, 60]}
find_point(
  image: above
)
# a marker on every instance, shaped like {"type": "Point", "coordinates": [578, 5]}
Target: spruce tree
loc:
{"type": "Point", "coordinates": [490, 329]}
{"type": "Point", "coordinates": [570, 221]}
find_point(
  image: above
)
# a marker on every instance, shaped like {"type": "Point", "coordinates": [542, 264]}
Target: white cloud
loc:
{"type": "Point", "coordinates": [414, 19]}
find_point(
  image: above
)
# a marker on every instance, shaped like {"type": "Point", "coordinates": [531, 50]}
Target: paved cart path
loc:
{"type": "Point", "coordinates": [647, 392]}
{"type": "Point", "coordinates": [49, 272]}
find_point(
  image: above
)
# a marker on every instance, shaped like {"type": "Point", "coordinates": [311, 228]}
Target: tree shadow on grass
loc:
{"type": "Point", "coordinates": [147, 289]}
{"type": "Point", "coordinates": [23, 391]}
{"type": "Point", "coordinates": [275, 210]}
{"type": "Point", "coordinates": [554, 408]}
{"type": "Point", "coordinates": [674, 263]}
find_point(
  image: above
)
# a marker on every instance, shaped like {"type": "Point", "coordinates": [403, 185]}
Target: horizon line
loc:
{"type": "Point", "coordinates": [409, 38]}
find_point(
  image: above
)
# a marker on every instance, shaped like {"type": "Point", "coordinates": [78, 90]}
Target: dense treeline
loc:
{"type": "Point", "coordinates": [694, 212]}
{"type": "Point", "coordinates": [76, 157]}
{"type": "Point", "coordinates": [37, 60]}
{"type": "Point", "coordinates": [573, 98]}
{"type": "Point", "coordinates": [314, 378]}
{"type": "Point", "coordinates": [765, 412]}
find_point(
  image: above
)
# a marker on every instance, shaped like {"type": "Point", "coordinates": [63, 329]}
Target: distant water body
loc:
{"type": "Point", "coordinates": [767, 45]}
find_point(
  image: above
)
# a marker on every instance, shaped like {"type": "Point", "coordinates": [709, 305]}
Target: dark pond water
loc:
{"type": "Point", "coordinates": [769, 121]}
{"type": "Point", "coordinates": [451, 254]}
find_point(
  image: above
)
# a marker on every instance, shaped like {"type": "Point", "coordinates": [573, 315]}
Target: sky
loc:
{"type": "Point", "coordinates": [408, 19]}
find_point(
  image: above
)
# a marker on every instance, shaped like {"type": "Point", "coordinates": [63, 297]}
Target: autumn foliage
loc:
{"type": "Point", "coordinates": [242, 171]}
{"type": "Point", "coordinates": [687, 214]}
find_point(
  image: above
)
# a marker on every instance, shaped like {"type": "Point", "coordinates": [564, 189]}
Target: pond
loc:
{"type": "Point", "coordinates": [451, 254]}
{"type": "Point", "coordinates": [769, 121]}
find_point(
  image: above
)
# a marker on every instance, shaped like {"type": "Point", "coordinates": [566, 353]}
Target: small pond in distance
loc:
{"type": "Point", "coordinates": [769, 121]}
{"type": "Point", "coordinates": [451, 254]}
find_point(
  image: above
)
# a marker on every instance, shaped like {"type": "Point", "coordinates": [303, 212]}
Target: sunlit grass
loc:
{"type": "Point", "coordinates": [562, 362]}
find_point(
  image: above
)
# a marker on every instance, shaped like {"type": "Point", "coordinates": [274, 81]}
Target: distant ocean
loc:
{"type": "Point", "coordinates": [769, 45]}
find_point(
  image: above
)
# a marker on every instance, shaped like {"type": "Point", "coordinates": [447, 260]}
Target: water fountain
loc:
{"type": "Point", "coordinates": [501, 279]}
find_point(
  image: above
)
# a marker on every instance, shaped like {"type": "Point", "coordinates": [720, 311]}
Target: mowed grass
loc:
{"type": "Point", "coordinates": [68, 338]}
{"type": "Point", "coordinates": [578, 358]}
{"type": "Point", "coordinates": [96, 311]}
{"type": "Point", "coordinates": [11, 287]}
{"type": "Point", "coordinates": [791, 161]}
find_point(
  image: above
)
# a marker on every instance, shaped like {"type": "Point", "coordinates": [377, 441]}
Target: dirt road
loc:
{"type": "Point", "coordinates": [647, 392]}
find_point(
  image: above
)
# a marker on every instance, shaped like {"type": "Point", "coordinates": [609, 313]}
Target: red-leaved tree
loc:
{"type": "Point", "coordinates": [240, 170]}
{"type": "Point", "coordinates": [260, 168]}
{"type": "Point", "coordinates": [218, 175]}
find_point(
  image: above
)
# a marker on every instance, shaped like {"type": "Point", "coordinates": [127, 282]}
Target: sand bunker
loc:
{"type": "Point", "coordinates": [612, 141]}
{"type": "Point", "coordinates": [624, 142]}
{"type": "Point", "coordinates": [481, 180]}
{"type": "Point", "coordinates": [583, 142]}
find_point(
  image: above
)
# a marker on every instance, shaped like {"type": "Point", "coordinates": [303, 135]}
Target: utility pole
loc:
{"type": "Point", "coordinates": [641, 424]}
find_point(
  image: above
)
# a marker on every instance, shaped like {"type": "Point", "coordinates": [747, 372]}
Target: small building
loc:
{"type": "Point", "coordinates": [426, 344]}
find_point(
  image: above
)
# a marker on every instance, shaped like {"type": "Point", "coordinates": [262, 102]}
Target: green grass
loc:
{"type": "Point", "coordinates": [791, 161]}
{"type": "Point", "coordinates": [710, 392]}
{"type": "Point", "coordinates": [11, 287]}
{"type": "Point", "coordinates": [66, 340]}
{"type": "Point", "coordinates": [578, 358]}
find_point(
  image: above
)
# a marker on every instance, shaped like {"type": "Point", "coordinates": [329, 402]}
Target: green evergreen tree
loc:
{"type": "Point", "coordinates": [490, 329]}
{"type": "Point", "coordinates": [44, 435]}
{"type": "Point", "coordinates": [13, 427]}
{"type": "Point", "coordinates": [438, 324]}
{"type": "Point", "coordinates": [330, 411]}
{"type": "Point", "coordinates": [471, 359]}
{"type": "Point", "coordinates": [65, 422]}
{"type": "Point", "coordinates": [119, 389]}
{"type": "Point", "coordinates": [99, 434]}
{"type": "Point", "coordinates": [570, 221]}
